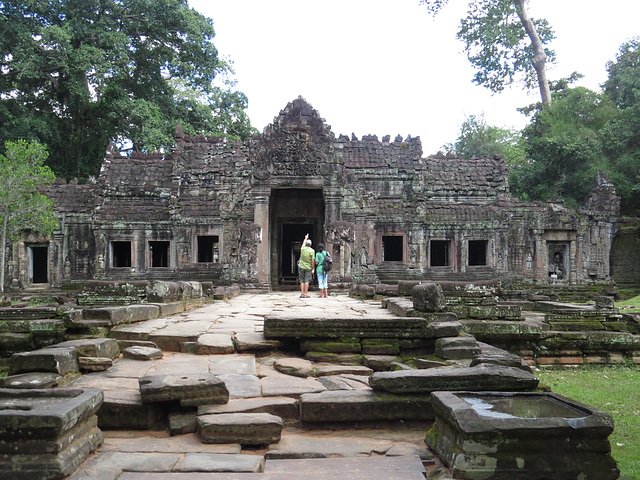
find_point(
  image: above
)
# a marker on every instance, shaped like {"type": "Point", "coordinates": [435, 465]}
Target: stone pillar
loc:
{"type": "Point", "coordinates": [261, 196]}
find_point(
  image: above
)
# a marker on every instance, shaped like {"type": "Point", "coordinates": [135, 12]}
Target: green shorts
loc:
{"type": "Point", "coordinates": [304, 276]}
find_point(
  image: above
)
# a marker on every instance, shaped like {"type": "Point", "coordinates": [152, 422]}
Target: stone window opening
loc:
{"type": "Point", "coordinates": [208, 249]}
{"type": "Point", "coordinates": [478, 252]}
{"type": "Point", "coordinates": [121, 254]}
{"type": "Point", "coordinates": [440, 253]}
{"type": "Point", "coordinates": [159, 254]}
{"type": "Point", "coordinates": [392, 248]}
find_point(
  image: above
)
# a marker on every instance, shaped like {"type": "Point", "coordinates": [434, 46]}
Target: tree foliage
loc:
{"type": "Point", "coordinates": [504, 44]}
{"type": "Point", "coordinates": [22, 207]}
{"type": "Point", "coordinates": [76, 75]}
{"type": "Point", "coordinates": [479, 139]}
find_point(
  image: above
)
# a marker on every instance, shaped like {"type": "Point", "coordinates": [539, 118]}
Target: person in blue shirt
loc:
{"type": "Point", "coordinates": [322, 275]}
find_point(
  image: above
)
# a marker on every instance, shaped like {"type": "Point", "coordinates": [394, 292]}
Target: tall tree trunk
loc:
{"type": "Point", "coordinates": [540, 58]}
{"type": "Point", "coordinates": [3, 250]}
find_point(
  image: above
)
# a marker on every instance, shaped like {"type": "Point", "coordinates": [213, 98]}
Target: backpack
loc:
{"type": "Point", "coordinates": [327, 265]}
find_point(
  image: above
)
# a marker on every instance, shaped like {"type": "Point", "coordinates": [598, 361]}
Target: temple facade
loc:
{"type": "Point", "coordinates": [236, 212]}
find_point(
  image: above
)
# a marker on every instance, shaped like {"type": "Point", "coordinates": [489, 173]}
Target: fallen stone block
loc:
{"type": "Point", "coordinates": [428, 297]}
{"type": "Point", "coordinates": [335, 358]}
{"type": "Point", "coordinates": [142, 353]}
{"type": "Point", "coordinates": [456, 348]}
{"type": "Point", "coordinates": [242, 428]}
{"type": "Point", "coordinates": [188, 389]}
{"type": "Point", "coordinates": [93, 347]}
{"type": "Point", "coordinates": [55, 360]}
{"type": "Point", "coordinates": [363, 406]}
{"type": "Point", "coordinates": [181, 423]}
{"type": "Point", "coordinates": [379, 363]}
{"type": "Point", "coordinates": [94, 364]}
{"type": "Point", "coordinates": [481, 377]}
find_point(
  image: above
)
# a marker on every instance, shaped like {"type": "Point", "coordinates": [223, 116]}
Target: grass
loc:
{"type": "Point", "coordinates": [630, 305]}
{"type": "Point", "coordinates": [614, 389]}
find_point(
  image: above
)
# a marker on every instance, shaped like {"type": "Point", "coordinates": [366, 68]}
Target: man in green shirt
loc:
{"type": "Point", "coordinates": [306, 266]}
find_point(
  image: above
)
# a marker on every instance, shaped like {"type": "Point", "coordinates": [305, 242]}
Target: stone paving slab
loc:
{"type": "Point", "coordinates": [241, 386]}
{"type": "Point", "coordinates": [321, 446]}
{"type": "Point", "coordinates": [211, 462]}
{"type": "Point", "coordinates": [264, 476]}
{"type": "Point", "coordinates": [159, 442]}
{"type": "Point", "coordinates": [366, 467]}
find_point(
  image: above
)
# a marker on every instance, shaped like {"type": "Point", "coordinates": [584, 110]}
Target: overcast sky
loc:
{"type": "Point", "coordinates": [385, 67]}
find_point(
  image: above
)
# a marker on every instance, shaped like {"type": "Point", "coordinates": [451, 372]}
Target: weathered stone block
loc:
{"type": "Point", "coordinates": [481, 377]}
{"type": "Point", "coordinates": [242, 428]}
{"type": "Point", "coordinates": [249, 342]}
{"type": "Point", "coordinates": [456, 348]}
{"type": "Point", "coordinates": [142, 353]}
{"type": "Point", "coordinates": [363, 405]}
{"type": "Point", "coordinates": [283, 407]}
{"type": "Point", "coordinates": [56, 360]}
{"type": "Point", "coordinates": [283, 326]}
{"type": "Point", "coordinates": [375, 346]}
{"type": "Point", "coordinates": [94, 364]}
{"type": "Point", "coordinates": [428, 297]}
{"type": "Point", "coordinates": [31, 380]}
{"type": "Point", "coordinates": [93, 347]}
{"type": "Point", "coordinates": [188, 389]}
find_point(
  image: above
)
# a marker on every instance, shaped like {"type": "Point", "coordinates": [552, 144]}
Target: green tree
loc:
{"type": "Point", "coordinates": [564, 147]}
{"type": "Point", "coordinates": [479, 139]}
{"type": "Point", "coordinates": [622, 135]}
{"type": "Point", "coordinates": [503, 42]}
{"type": "Point", "coordinates": [76, 75]}
{"type": "Point", "coordinates": [22, 207]}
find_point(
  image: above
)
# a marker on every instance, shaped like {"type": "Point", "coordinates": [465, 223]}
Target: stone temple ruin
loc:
{"type": "Point", "coordinates": [235, 212]}
{"type": "Point", "coordinates": [456, 289]}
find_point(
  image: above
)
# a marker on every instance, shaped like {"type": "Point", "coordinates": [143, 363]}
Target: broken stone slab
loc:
{"type": "Point", "coordinates": [55, 360]}
{"type": "Point", "coordinates": [241, 386]}
{"type": "Point", "coordinates": [123, 314]}
{"type": "Point", "coordinates": [31, 380]}
{"type": "Point", "coordinates": [214, 462]}
{"type": "Point", "coordinates": [122, 344]}
{"type": "Point", "coordinates": [250, 342]}
{"type": "Point", "coordinates": [288, 386]}
{"type": "Point", "coordinates": [284, 407]}
{"type": "Point", "coordinates": [327, 369]}
{"type": "Point", "coordinates": [428, 363]}
{"type": "Point", "coordinates": [298, 367]}
{"type": "Point", "coordinates": [189, 390]}
{"type": "Point", "coordinates": [45, 413]}
{"type": "Point", "coordinates": [93, 347]}
{"type": "Point", "coordinates": [142, 353]}
{"type": "Point", "coordinates": [213, 344]}
{"type": "Point", "coordinates": [428, 297]}
{"type": "Point", "coordinates": [345, 382]}
{"type": "Point", "coordinates": [363, 406]}
{"type": "Point", "coordinates": [498, 356]}
{"type": "Point", "coordinates": [294, 446]}
{"type": "Point", "coordinates": [361, 467]}
{"type": "Point", "coordinates": [338, 326]}
{"type": "Point", "coordinates": [446, 328]}
{"type": "Point", "coordinates": [481, 377]}
{"type": "Point", "coordinates": [242, 428]}
{"type": "Point", "coordinates": [94, 364]}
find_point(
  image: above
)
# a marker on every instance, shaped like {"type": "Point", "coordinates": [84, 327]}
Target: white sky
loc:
{"type": "Point", "coordinates": [386, 67]}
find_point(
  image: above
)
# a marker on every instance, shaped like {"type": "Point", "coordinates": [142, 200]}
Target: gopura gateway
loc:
{"type": "Point", "coordinates": [230, 212]}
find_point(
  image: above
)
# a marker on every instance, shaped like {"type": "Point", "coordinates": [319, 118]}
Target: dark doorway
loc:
{"type": "Point", "coordinates": [478, 252]}
{"type": "Point", "coordinates": [292, 236]}
{"type": "Point", "coordinates": [294, 213]}
{"type": "Point", "coordinates": [392, 248]}
{"type": "Point", "coordinates": [439, 253]}
{"type": "Point", "coordinates": [120, 254]}
{"type": "Point", "coordinates": [208, 249]}
{"type": "Point", "coordinates": [159, 253]}
{"type": "Point", "coordinates": [39, 264]}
